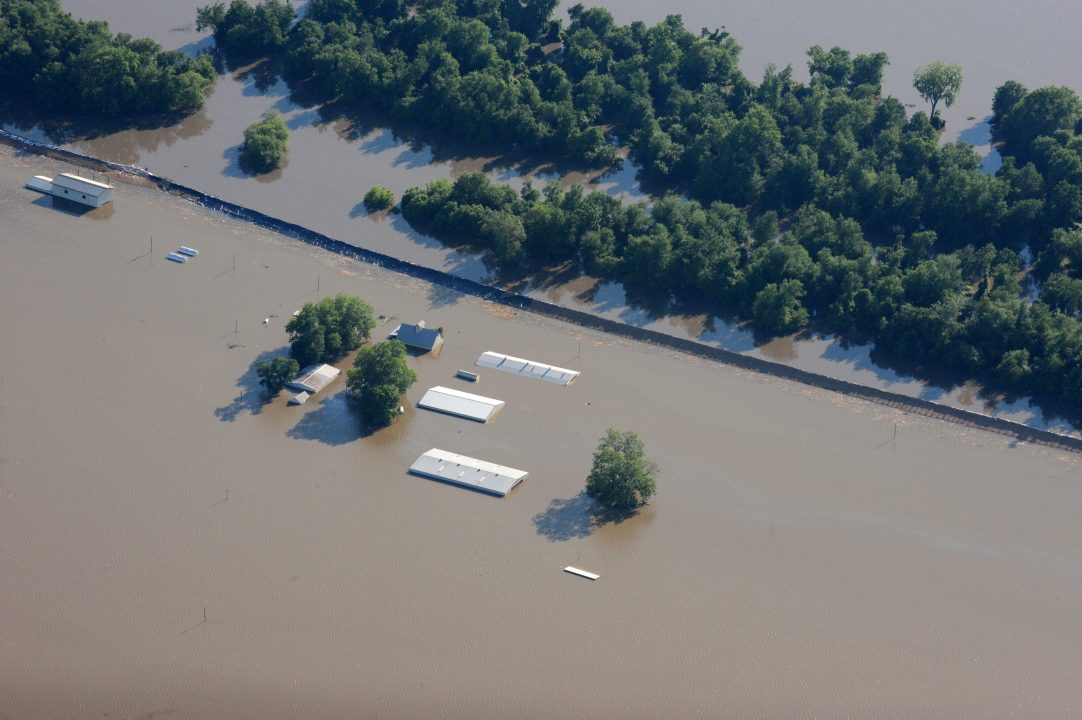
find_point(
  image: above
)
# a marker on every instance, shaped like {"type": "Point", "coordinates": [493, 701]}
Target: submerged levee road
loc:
{"type": "Point", "coordinates": [1020, 431]}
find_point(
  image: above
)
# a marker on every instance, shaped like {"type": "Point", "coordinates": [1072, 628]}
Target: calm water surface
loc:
{"type": "Point", "coordinates": [333, 161]}
{"type": "Point", "coordinates": [799, 560]}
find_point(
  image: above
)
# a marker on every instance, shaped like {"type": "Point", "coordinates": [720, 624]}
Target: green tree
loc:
{"type": "Point", "coordinates": [274, 374]}
{"type": "Point", "coordinates": [938, 81]}
{"type": "Point", "coordinates": [266, 143]}
{"type": "Point", "coordinates": [324, 330]}
{"type": "Point", "coordinates": [779, 307]}
{"type": "Point", "coordinates": [378, 198]}
{"type": "Point", "coordinates": [378, 379]}
{"type": "Point", "coordinates": [243, 31]}
{"type": "Point", "coordinates": [621, 477]}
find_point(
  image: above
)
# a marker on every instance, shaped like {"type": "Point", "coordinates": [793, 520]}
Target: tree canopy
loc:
{"type": "Point", "coordinates": [266, 143]}
{"type": "Point", "coordinates": [275, 373]}
{"type": "Point", "coordinates": [938, 81]}
{"type": "Point", "coordinates": [379, 378]}
{"type": "Point", "coordinates": [621, 477]}
{"type": "Point", "coordinates": [71, 66]}
{"type": "Point", "coordinates": [246, 31]}
{"type": "Point", "coordinates": [325, 330]}
{"type": "Point", "coordinates": [378, 198]}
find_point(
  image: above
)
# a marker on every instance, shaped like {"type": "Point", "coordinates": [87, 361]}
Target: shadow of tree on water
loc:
{"type": "Point", "coordinates": [334, 422]}
{"type": "Point", "coordinates": [575, 517]}
{"type": "Point", "coordinates": [252, 397]}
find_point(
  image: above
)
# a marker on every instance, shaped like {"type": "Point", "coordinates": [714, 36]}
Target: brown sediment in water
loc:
{"type": "Point", "coordinates": [800, 557]}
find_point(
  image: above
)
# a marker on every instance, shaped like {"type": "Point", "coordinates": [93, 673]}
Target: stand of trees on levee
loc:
{"type": "Point", "coordinates": [621, 478]}
{"type": "Point", "coordinates": [266, 143]}
{"type": "Point", "coordinates": [821, 203]}
{"type": "Point", "coordinates": [72, 66]}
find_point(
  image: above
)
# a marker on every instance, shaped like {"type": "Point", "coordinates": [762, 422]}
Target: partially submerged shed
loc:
{"type": "Point", "coordinates": [419, 337]}
{"type": "Point", "coordinates": [314, 378]}
{"type": "Point", "coordinates": [460, 404]}
{"type": "Point", "coordinates": [468, 472]}
{"type": "Point", "coordinates": [528, 368]}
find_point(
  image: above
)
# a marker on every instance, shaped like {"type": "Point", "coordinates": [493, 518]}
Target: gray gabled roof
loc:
{"type": "Point", "coordinates": [417, 336]}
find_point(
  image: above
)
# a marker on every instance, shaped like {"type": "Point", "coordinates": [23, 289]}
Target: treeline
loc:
{"type": "Point", "coordinates": [68, 65]}
{"type": "Point", "coordinates": [963, 310]}
{"type": "Point", "coordinates": [691, 119]}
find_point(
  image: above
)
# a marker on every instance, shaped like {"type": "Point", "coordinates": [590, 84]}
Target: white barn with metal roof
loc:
{"type": "Point", "coordinates": [314, 378]}
{"type": "Point", "coordinates": [468, 472]}
{"type": "Point", "coordinates": [528, 368]}
{"type": "Point", "coordinates": [460, 404]}
{"type": "Point", "coordinates": [81, 190]}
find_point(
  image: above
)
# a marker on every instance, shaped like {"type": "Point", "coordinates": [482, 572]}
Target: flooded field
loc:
{"type": "Point", "coordinates": [807, 554]}
{"type": "Point", "coordinates": [333, 161]}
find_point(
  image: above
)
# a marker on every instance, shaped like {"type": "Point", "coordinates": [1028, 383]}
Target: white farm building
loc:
{"type": "Point", "coordinates": [468, 472]}
{"type": "Point", "coordinates": [314, 378]}
{"type": "Point", "coordinates": [460, 404]}
{"type": "Point", "coordinates": [75, 188]}
{"type": "Point", "coordinates": [527, 368]}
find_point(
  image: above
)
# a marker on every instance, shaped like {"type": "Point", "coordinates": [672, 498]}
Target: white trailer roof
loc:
{"type": "Point", "coordinates": [468, 472]}
{"type": "Point", "coordinates": [529, 368]}
{"type": "Point", "coordinates": [81, 184]}
{"type": "Point", "coordinates": [314, 378]}
{"type": "Point", "coordinates": [462, 404]}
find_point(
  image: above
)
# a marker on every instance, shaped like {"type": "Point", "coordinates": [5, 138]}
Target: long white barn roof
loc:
{"type": "Point", "coordinates": [529, 368]}
{"type": "Point", "coordinates": [468, 472]}
{"type": "Point", "coordinates": [462, 404]}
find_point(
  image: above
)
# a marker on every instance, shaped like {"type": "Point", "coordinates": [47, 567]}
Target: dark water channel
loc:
{"type": "Point", "coordinates": [334, 160]}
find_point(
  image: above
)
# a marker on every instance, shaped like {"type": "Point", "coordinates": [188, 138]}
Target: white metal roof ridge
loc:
{"type": "Point", "coordinates": [467, 471]}
{"type": "Point", "coordinates": [461, 404]}
{"type": "Point", "coordinates": [529, 368]}
{"type": "Point", "coordinates": [96, 188]}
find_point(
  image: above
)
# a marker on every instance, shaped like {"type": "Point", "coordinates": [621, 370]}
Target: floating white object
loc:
{"type": "Point", "coordinates": [462, 404]}
{"type": "Point", "coordinates": [185, 250]}
{"type": "Point", "coordinates": [529, 368]}
{"type": "Point", "coordinates": [176, 258]}
{"type": "Point", "coordinates": [467, 375]}
{"type": "Point", "coordinates": [581, 573]}
{"type": "Point", "coordinates": [468, 472]}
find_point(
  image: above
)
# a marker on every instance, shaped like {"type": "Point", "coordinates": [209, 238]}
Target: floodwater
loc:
{"type": "Point", "coordinates": [807, 554]}
{"type": "Point", "coordinates": [334, 161]}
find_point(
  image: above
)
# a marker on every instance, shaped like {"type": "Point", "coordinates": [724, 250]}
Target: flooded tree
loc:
{"type": "Point", "coordinates": [322, 331]}
{"type": "Point", "coordinates": [378, 198]}
{"type": "Point", "coordinates": [274, 374]}
{"type": "Point", "coordinates": [266, 143]}
{"type": "Point", "coordinates": [938, 81]}
{"type": "Point", "coordinates": [621, 478]}
{"type": "Point", "coordinates": [379, 378]}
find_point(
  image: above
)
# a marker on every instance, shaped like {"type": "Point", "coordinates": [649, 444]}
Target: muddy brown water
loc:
{"type": "Point", "coordinates": [799, 559]}
{"type": "Point", "coordinates": [333, 161]}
